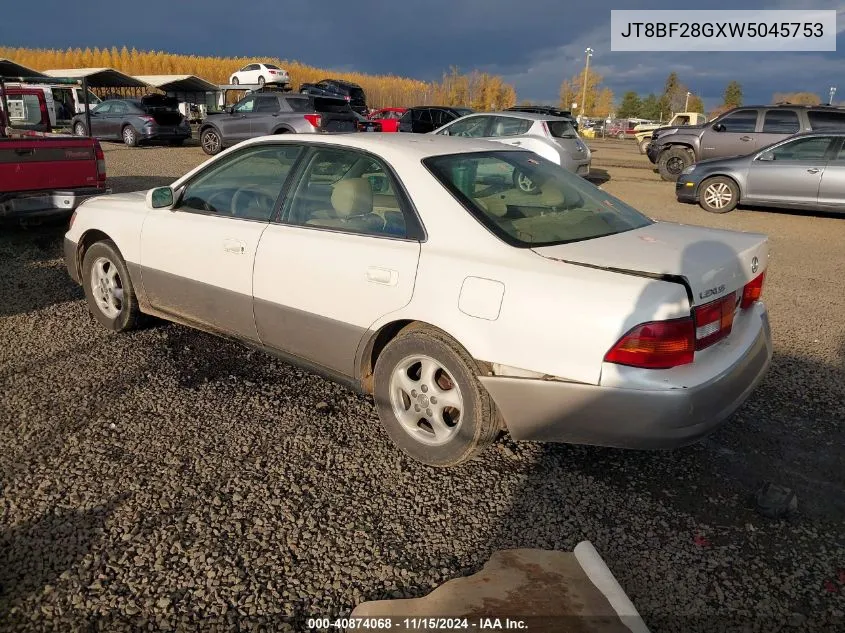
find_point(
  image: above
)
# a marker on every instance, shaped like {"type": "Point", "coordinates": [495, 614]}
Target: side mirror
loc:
{"type": "Point", "coordinates": [766, 156]}
{"type": "Point", "coordinates": [230, 109]}
{"type": "Point", "coordinates": [718, 127]}
{"type": "Point", "coordinates": [160, 198]}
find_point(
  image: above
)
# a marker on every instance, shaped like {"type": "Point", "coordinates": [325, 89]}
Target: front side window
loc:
{"type": "Point", "coordinates": [470, 127]}
{"type": "Point", "coordinates": [740, 121]}
{"type": "Point", "coordinates": [812, 149]}
{"type": "Point", "coordinates": [528, 201]}
{"type": "Point", "coordinates": [103, 108]}
{"type": "Point", "coordinates": [781, 122]}
{"type": "Point", "coordinates": [347, 191]}
{"type": "Point", "coordinates": [245, 105]}
{"type": "Point", "coordinates": [245, 185]}
{"type": "Point", "coordinates": [119, 108]}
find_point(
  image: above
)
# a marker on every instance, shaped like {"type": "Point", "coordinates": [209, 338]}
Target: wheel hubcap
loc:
{"type": "Point", "coordinates": [128, 135]}
{"type": "Point", "coordinates": [426, 400]}
{"type": "Point", "coordinates": [211, 142]}
{"type": "Point", "coordinates": [675, 165]}
{"type": "Point", "coordinates": [718, 195]}
{"type": "Point", "coordinates": [107, 287]}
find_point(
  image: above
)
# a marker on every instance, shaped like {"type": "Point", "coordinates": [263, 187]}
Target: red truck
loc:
{"type": "Point", "coordinates": [45, 175]}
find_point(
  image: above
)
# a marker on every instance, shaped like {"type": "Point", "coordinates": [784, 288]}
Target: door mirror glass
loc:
{"type": "Point", "coordinates": [767, 156]}
{"type": "Point", "coordinates": [160, 198]}
{"type": "Point", "coordinates": [718, 127]}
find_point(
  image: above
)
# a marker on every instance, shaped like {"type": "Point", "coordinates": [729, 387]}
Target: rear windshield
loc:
{"type": "Point", "coordinates": [528, 201]}
{"type": "Point", "coordinates": [327, 104]}
{"type": "Point", "coordinates": [356, 94]}
{"type": "Point", "coordinates": [826, 120]}
{"type": "Point", "coordinates": [24, 109]}
{"type": "Point", "coordinates": [561, 129]}
{"type": "Point", "coordinates": [271, 66]}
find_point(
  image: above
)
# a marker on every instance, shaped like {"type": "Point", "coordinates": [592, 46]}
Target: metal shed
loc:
{"type": "Point", "coordinates": [188, 89]}
{"type": "Point", "coordinates": [9, 68]}
{"type": "Point", "coordinates": [101, 79]}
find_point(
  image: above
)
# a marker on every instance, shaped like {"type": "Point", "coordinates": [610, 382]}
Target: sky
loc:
{"type": "Point", "coordinates": [533, 44]}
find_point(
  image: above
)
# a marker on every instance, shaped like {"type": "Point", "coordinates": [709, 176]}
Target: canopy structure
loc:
{"type": "Point", "coordinates": [176, 85]}
{"type": "Point", "coordinates": [100, 78]}
{"type": "Point", "coordinates": [9, 68]}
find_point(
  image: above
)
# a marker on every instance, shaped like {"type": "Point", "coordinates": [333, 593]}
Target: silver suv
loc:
{"type": "Point", "coordinates": [737, 132]}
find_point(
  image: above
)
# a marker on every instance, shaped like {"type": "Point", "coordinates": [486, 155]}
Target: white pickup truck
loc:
{"type": "Point", "coordinates": [643, 131]}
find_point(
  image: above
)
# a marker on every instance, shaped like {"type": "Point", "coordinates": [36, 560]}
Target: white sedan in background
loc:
{"type": "Point", "coordinates": [260, 74]}
{"type": "Point", "coordinates": [414, 268]}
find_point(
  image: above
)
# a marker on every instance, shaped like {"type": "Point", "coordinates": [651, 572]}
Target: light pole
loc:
{"type": "Point", "coordinates": [589, 52]}
{"type": "Point", "coordinates": [686, 103]}
{"type": "Point", "coordinates": [832, 92]}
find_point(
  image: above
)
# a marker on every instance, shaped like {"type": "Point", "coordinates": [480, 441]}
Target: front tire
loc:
{"type": "Point", "coordinates": [261, 81]}
{"type": "Point", "coordinates": [235, 81]}
{"type": "Point", "coordinates": [718, 195]}
{"type": "Point", "coordinates": [620, 136]}
{"type": "Point", "coordinates": [429, 398]}
{"type": "Point", "coordinates": [108, 288]}
{"type": "Point", "coordinates": [130, 136]}
{"type": "Point", "coordinates": [672, 162]}
{"type": "Point", "coordinates": [644, 145]}
{"type": "Point", "coordinates": [211, 142]}
{"type": "Point", "coordinates": [79, 130]}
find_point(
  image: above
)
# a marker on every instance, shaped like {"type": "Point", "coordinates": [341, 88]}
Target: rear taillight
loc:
{"type": "Point", "coordinates": [147, 118]}
{"type": "Point", "coordinates": [656, 345]}
{"type": "Point", "coordinates": [546, 129]}
{"type": "Point", "coordinates": [101, 162]}
{"type": "Point", "coordinates": [314, 119]}
{"type": "Point", "coordinates": [45, 115]}
{"type": "Point", "coordinates": [273, 72]}
{"type": "Point", "coordinates": [348, 98]}
{"type": "Point", "coordinates": [714, 320]}
{"type": "Point", "coordinates": [753, 290]}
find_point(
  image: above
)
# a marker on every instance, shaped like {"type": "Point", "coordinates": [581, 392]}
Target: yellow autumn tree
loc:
{"type": "Point", "coordinates": [599, 102]}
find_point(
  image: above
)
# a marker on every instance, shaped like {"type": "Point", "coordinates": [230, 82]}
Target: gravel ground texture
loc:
{"type": "Point", "coordinates": [170, 480]}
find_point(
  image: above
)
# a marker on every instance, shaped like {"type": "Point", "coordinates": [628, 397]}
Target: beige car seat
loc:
{"type": "Point", "coordinates": [352, 201]}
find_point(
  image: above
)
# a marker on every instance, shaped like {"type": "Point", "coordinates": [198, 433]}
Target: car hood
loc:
{"type": "Point", "coordinates": [711, 262]}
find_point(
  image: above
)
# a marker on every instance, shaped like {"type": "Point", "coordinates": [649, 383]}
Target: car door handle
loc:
{"type": "Point", "coordinates": [382, 276]}
{"type": "Point", "coordinates": [234, 246]}
{"type": "Point", "coordinates": [746, 138]}
{"type": "Point", "coordinates": [516, 142]}
{"type": "Point", "coordinates": [22, 151]}
{"type": "Point", "coordinates": [813, 170]}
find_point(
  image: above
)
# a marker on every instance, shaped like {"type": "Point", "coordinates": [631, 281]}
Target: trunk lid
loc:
{"type": "Point", "coordinates": [336, 115]}
{"type": "Point", "coordinates": [38, 164]}
{"type": "Point", "coordinates": [711, 262]}
{"type": "Point", "coordinates": [164, 110]}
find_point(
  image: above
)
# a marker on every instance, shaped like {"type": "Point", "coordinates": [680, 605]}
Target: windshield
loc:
{"type": "Point", "coordinates": [528, 201]}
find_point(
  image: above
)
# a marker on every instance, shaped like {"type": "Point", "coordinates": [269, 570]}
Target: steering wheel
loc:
{"type": "Point", "coordinates": [208, 204]}
{"type": "Point", "coordinates": [245, 198]}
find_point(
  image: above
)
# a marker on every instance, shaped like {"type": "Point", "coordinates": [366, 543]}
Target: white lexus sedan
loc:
{"type": "Point", "coordinates": [416, 269]}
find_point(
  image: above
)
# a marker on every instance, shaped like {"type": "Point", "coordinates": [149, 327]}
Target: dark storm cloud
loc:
{"type": "Point", "coordinates": [534, 43]}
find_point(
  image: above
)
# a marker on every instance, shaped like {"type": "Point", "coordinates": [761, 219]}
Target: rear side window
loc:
{"type": "Point", "coordinates": [331, 106]}
{"type": "Point", "coordinates": [510, 126]}
{"type": "Point", "coordinates": [300, 105]}
{"type": "Point", "coordinates": [740, 121]}
{"type": "Point", "coordinates": [826, 120]}
{"type": "Point", "coordinates": [781, 122]}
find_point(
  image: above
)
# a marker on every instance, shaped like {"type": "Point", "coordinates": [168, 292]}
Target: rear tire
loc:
{"type": "Point", "coordinates": [79, 130]}
{"type": "Point", "coordinates": [211, 142]}
{"type": "Point", "coordinates": [718, 195]}
{"type": "Point", "coordinates": [672, 162]}
{"type": "Point", "coordinates": [429, 398]}
{"type": "Point", "coordinates": [235, 81]}
{"type": "Point", "coordinates": [644, 145]}
{"type": "Point", "coordinates": [108, 288]}
{"type": "Point", "coordinates": [261, 81]}
{"type": "Point", "coordinates": [130, 136]}
{"type": "Point", "coordinates": [621, 136]}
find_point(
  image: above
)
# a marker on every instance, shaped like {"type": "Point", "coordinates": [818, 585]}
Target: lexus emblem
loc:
{"type": "Point", "coordinates": [755, 263]}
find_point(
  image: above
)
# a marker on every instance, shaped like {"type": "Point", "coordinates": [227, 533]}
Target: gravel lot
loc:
{"type": "Point", "coordinates": [167, 479]}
